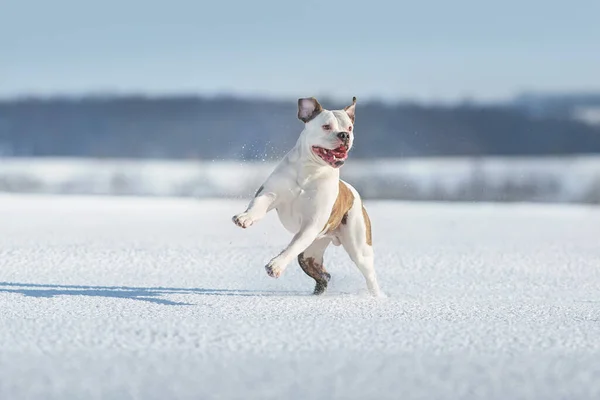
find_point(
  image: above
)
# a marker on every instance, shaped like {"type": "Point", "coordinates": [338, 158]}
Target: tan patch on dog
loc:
{"type": "Point", "coordinates": [316, 271]}
{"type": "Point", "coordinates": [367, 226]}
{"type": "Point", "coordinates": [339, 212]}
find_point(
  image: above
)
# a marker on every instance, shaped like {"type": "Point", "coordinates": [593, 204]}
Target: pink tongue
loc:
{"type": "Point", "coordinates": [339, 151]}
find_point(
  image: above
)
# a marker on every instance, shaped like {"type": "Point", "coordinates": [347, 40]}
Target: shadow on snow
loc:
{"type": "Point", "coordinates": [149, 294]}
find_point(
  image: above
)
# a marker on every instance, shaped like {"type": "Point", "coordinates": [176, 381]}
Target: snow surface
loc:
{"type": "Point", "coordinates": [129, 298]}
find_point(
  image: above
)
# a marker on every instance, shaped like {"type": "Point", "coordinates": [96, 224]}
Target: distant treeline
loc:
{"type": "Point", "coordinates": [229, 128]}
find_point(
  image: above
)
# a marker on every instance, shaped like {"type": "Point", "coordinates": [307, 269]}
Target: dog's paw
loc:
{"type": "Point", "coordinates": [242, 220]}
{"type": "Point", "coordinates": [274, 269]}
{"type": "Point", "coordinates": [378, 294]}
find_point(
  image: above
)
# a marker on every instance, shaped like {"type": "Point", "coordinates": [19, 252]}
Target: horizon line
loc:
{"type": "Point", "coordinates": [263, 97]}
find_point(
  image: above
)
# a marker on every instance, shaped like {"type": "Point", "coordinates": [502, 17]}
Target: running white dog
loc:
{"type": "Point", "coordinates": [313, 202]}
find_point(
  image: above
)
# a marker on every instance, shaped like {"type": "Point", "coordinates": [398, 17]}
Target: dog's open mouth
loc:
{"type": "Point", "coordinates": [334, 157]}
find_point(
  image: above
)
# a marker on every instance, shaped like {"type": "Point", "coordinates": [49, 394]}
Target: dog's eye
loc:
{"type": "Point", "coordinates": [326, 127]}
{"type": "Point", "coordinates": [350, 129]}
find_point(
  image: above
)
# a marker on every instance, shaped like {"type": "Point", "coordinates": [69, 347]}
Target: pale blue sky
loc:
{"type": "Point", "coordinates": [423, 50]}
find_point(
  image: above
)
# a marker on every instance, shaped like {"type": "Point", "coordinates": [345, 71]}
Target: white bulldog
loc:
{"type": "Point", "coordinates": [313, 202]}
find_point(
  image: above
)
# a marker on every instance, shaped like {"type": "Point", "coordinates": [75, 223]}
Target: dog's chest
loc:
{"type": "Point", "coordinates": [303, 193]}
{"type": "Point", "coordinates": [294, 209]}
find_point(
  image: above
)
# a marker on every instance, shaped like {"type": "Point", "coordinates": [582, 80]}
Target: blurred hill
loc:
{"type": "Point", "coordinates": [253, 129]}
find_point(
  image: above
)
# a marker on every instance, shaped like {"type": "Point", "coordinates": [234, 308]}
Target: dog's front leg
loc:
{"type": "Point", "coordinates": [258, 208]}
{"type": "Point", "coordinates": [299, 243]}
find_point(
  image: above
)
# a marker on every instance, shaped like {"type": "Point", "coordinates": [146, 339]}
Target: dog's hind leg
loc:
{"type": "Point", "coordinates": [355, 236]}
{"type": "Point", "coordinates": [311, 262]}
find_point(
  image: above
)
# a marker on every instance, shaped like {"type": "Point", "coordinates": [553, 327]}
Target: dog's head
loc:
{"type": "Point", "coordinates": [329, 134]}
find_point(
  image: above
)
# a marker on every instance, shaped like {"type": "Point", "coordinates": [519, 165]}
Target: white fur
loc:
{"type": "Point", "coordinates": [303, 189]}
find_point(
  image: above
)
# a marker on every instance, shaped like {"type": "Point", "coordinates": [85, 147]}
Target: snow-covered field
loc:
{"type": "Point", "coordinates": [130, 298]}
{"type": "Point", "coordinates": [568, 179]}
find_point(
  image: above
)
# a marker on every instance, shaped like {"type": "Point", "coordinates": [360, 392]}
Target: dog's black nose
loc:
{"type": "Point", "coordinates": [344, 136]}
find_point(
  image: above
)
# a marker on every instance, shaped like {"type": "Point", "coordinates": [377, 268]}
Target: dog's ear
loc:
{"type": "Point", "coordinates": [308, 108]}
{"type": "Point", "coordinates": [350, 110]}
